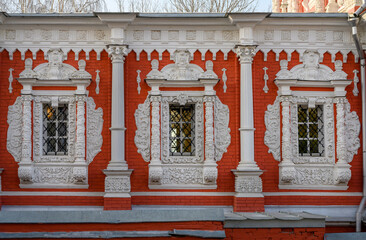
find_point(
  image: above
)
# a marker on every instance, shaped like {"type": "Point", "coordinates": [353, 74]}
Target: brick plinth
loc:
{"type": "Point", "coordinates": [248, 204]}
{"type": "Point", "coordinates": [112, 203]}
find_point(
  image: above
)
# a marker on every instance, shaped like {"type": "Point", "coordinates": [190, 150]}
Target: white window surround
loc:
{"type": "Point", "coordinates": [305, 172]}
{"type": "Point", "coordinates": [212, 135]}
{"type": "Point", "coordinates": [84, 121]}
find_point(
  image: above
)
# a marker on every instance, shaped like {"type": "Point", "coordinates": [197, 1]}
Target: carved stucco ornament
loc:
{"type": "Point", "coordinates": [311, 69]}
{"type": "Point", "coordinates": [189, 169]}
{"type": "Point", "coordinates": [54, 69]}
{"type": "Point", "coordinates": [181, 69]}
{"type": "Point", "coordinates": [14, 136]}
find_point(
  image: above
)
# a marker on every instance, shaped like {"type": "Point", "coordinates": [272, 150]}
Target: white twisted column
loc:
{"type": "Point", "coordinates": [117, 54]}
{"type": "Point", "coordinates": [80, 171]}
{"type": "Point", "coordinates": [210, 166]}
{"type": "Point", "coordinates": [25, 171]}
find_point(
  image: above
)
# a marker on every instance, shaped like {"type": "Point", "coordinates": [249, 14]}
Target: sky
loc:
{"type": "Point", "coordinates": [263, 5]}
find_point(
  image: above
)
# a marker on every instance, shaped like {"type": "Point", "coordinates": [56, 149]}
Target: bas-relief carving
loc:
{"type": "Point", "coordinates": [117, 184]}
{"type": "Point", "coordinates": [181, 69]}
{"type": "Point", "coordinates": [94, 138]}
{"type": "Point", "coordinates": [14, 135]}
{"type": "Point", "coordinates": [55, 69]}
{"type": "Point", "coordinates": [248, 184]}
{"type": "Point", "coordinates": [172, 169]}
{"type": "Point", "coordinates": [142, 134]}
{"type": "Point", "coordinates": [311, 69]}
{"type": "Point", "coordinates": [315, 171]}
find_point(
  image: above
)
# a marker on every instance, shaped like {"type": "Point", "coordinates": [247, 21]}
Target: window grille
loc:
{"type": "Point", "coordinates": [55, 129]}
{"type": "Point", "coordinates": [181, 130]}
{"type": "Point", "coordinates": [310, 131]}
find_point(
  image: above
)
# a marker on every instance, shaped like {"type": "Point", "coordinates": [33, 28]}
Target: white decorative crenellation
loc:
{"type": "Point", "coordinates": [14, 135]}
{"type": "Point", "coordinates": [222, 130]}
{"type": "Point", "coordinates": [181, 69]}
{"type": "Point", "coordinates": [94, 127]}
{"type": "Point", "coordinates": [10, 80]}
{"type": "Point", "coordinates": [142, 134]}
{"type": "Point", "coordinates": [117, 184]}
{"type": "Point", "coordinates": [355, 82]}
{"type": "Point", "coordinates": [273, 132]}
{"type": "Point", "coordinates": [54, 69]}
{"type": "Point", "coordinates": [311, 69]}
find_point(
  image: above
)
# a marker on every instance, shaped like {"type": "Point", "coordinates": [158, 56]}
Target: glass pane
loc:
{"type": "Point", "coordinates": [62, 145]}
{"type": "Point", "coordinates": [51, 129]}
{"type": "Point", "coordinates": [174, 130]}
{"type": "Point", "coordinates": [186, 114]}
{"type": "Point", "coordinates": [62, 114]}
{"type": "Point", "coordinates": [175, 145]}
{"type": "Point", "coordinates": [62, 129]}
{"type": "Point", "coordinates": [302, 130]}
{"type": "Point", "coordinates": [313, 130]}
{"type": "Point", "coordinates": [187, 145]}
{"type": "Point", "coordinates": [313, 115]}
{"type": "Point", "coordinates": [301, 114]}
{"type": "Point", "coordinates": [186, 129]}
{"type": "Point", "coordinates": [51, 145]}
{"type": "Point", "coordinates": [174, 115]}
{"type": "Point", "coordinates": [303, 146]}
{"type": "Point", "coordinates": [314, 146]}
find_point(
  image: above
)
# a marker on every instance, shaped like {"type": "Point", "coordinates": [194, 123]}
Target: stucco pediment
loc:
{"type": "Point", "coordinates": [181, 69]}
{"type": "Point", "coordinates": [54, 69]}
{"type": "Point", "coordinates": [311, 69]}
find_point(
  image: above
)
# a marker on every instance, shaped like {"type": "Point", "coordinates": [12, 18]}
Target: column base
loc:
{"type": "Point", "coordinates": [117, 190]}
{"type": "Point", "coordinates": [248, 188]}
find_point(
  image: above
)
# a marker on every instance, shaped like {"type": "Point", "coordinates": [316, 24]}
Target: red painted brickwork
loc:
{"type": "Point", "coordinates": [248, 204]}
{"type": "Point", "coordinates": [10, 180]}
{"type": "Point", "coordinates": [139, 177]}
{"type": "Point", "coordinates": [265, 160]}
{"type": "Point", "coordinates": [112, 203]}
{"type": "Point", "coordinates": [276, 233]}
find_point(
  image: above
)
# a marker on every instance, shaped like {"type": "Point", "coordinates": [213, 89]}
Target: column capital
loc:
{"type": "Point", "coordinates": [117, 52]}
{"type": "Point", "coordinates": [245, 53]}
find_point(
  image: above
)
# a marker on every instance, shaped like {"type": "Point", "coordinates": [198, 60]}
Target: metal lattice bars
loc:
{"type": "Point", "coordinates": [181, 130]}
{"type": "Point", "coordinates": [55, 129]}
{"type": "Point", "coordinates": [310, 131]}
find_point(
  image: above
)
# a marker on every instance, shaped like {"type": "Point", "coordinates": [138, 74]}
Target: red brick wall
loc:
{"type": "Point", "coordinates": [139, 177]}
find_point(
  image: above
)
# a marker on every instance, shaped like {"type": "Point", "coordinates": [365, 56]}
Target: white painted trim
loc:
{"type": "Point", "coordinates": [188, 186]}
{"type": "Point", "coordinates": [313, 93]}
{"type": "Point", "coordinates": [57, 186]}
{"type": "Point", "coordinates": [218, 194]}
{"type": "Point", "coordinates": [53, 92]}
{"type": "Point", "coordinates": [350, 194]}
{"type": "Point", "coordinates": [77, 194]}
{"type": "Point", "coordinates": [312, 187]}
